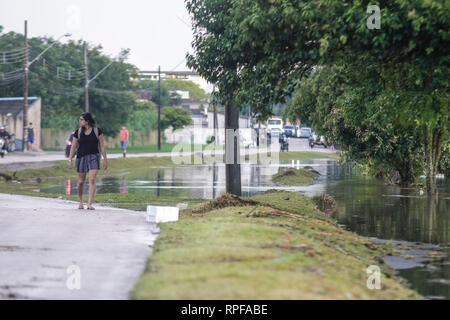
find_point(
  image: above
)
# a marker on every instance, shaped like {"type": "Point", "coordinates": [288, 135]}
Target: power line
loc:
{"type": "Point", "coordinates": [11, 60]}
{"type": "Point", "coordinates": [13, 55]}
{"type": "Point", "coordinates": [62, 72]}
{"type": "Point", "coordinates": [45, 63]}
{"type": "Point", "coordinates": [13, 52]}
{"type": "Point", "coordinates": [11, 72]}
{"type": "Point", "coordinates": [12, 77]}
{"type": "Point", "coordinates": [11, 81]}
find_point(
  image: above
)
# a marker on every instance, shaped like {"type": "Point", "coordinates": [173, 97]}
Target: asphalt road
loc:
{"type": "Point", "coordinates": [48, 249]}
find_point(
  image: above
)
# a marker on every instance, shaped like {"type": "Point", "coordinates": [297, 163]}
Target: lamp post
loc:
{"type": "Point", "coordinates": [26, 78]}
{"type": "Point", "coordinates": [88, 81]}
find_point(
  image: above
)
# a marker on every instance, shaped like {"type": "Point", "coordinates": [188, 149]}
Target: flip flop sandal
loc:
{"type": "Point", "coordinates": [80, 208]}
{"type": "Point", "coordinates": [90, 208]}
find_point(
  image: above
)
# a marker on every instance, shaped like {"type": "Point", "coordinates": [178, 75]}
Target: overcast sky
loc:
{"type": "Point", "coordinates": [153, 30]}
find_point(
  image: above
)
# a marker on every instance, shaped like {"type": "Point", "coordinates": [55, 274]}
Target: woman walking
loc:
{"type": "Point", "coordinates": [87, 143]}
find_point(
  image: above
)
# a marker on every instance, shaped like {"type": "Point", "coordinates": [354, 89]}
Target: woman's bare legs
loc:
{"type": "Point", "coordinates": [92, 187]}
{"type": "Point", "coordinates": [80, 187]}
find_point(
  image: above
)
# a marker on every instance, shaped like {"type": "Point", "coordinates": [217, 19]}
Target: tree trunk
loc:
{"type": "Point", "coordinates": [232, 156]}
{"type": "Point", "coordinates": [430, 219]}
{"type": "Point", "coordinates": [433, 146]}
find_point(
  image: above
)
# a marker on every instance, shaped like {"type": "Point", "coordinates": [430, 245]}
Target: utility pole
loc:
{"type": "Point", "coordinates": [259, 132]}
{"type": "Point", "coordinates": [233, 167]}
{"type": "Point", "coordinates": [216, 125]}
{"type": "Point", "coordinates": [159, 108]}
{"type": "Point", "coordinates": [86, 77]}
{"type": "Point", "coordinates": [25, 94]}
{"type": "Point", "coordinates": [27, 66]}
{"type": "Point", "coordinates": [88, 81]}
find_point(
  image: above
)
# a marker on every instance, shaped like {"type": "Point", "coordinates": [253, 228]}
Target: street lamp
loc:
{"type": "Point", "coordinates": [88, 81]}
{"type": "Point", "coordinates": [26, 84]}
{"type": "Point", "coordinates": [42, 53]}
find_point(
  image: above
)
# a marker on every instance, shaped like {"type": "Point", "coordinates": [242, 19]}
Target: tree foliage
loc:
{"type": "Point", "coordinates": [110, 97]}
{"type": "Point", "coordinates": [152, 86]}
{"type": "Point", "coordinates": [195, 92]}
{"type": "Point", "coordinates": [258, 51]}
{"type": "Point", "coordinates": [176, 118]}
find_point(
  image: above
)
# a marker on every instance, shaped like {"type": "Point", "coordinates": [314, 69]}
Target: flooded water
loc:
{"type": "Point", "coordinates": [365, 205]}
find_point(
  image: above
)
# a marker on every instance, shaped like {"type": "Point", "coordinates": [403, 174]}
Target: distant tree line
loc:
{"type": "Point", "coordinates": [58, 78]}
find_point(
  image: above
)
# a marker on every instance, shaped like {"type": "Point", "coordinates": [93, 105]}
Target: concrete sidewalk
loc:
{"type": "Point", "coordinates": [45, 242]}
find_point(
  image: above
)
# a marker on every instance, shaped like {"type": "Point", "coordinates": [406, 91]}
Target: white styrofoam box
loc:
{"type": "Point", "coordinates": [162, 214]}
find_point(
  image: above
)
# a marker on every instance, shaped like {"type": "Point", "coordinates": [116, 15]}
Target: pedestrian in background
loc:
{"type": "Point", "coordinates": [30, 139]}
{"type": "Point", "coordinates": [87, 143]}
{"type": "Point", "coordinates": [124, 135]}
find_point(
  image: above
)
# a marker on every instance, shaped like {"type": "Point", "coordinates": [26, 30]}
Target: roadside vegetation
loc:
{"type": "Point", "coordinates": [273, 246]}
{"type": "Point", "coordinates": [295, 177]}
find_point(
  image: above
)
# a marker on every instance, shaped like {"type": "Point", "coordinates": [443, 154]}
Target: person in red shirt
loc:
{"type": "Point", "coordinates": [124, 135]}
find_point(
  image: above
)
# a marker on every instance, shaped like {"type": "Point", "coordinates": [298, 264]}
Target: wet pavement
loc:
{"type": "Point", "coordinates": [51, 250]}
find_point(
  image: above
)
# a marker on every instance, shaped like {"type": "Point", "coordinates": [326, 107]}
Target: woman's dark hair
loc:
{"type": "Point", "coordinates": [88, 117]}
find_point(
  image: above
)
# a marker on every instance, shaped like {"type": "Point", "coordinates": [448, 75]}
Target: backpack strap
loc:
{"type": "Point", "coordinates": [99, 146]}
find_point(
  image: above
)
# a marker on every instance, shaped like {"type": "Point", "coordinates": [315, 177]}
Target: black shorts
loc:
{"type": "Point", "coordinates": [87, 163]}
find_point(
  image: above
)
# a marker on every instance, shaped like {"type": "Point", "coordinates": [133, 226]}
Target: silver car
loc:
{"type": "Point", "coordinates": [305, 132]}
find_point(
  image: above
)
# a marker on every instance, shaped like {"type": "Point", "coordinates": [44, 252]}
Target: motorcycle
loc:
{"type": "Point", "coordinates": [284, 144]}
{"type": "Point", "coordinates": [12, 143]}
{"type": "Point", "coordinates": [311, 142]}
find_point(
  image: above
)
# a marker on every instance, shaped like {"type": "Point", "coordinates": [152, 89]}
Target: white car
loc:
{"type": "Point", "coordinates": [305, 132]}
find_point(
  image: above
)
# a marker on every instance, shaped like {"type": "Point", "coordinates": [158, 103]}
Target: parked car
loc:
{"type": "Point", "coordinates": [289, 131]}
{"type": "Point", "coordinates": [305, 132]}
{"type": "Point", "coordinates": [274, 132]}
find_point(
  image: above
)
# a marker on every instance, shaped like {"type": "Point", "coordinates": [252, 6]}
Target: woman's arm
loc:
{"type": "Point", "coordinates": [72, 151]}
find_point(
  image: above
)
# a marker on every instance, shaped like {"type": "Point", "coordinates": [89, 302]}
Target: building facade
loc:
{"type": "Point", "coordinates": [11, 116]}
